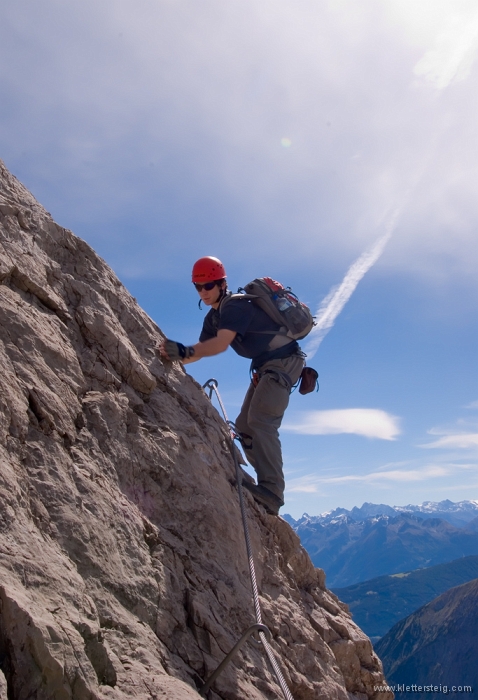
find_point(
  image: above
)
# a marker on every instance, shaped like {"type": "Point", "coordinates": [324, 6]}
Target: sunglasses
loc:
{"type": "Point", "coordinates": [207, 286]}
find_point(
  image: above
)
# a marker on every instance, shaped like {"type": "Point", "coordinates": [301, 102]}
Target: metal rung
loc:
{"type": "Point", "coordinates": [253, 628]}
{"type": "Point", "coordinates": [211, 385]}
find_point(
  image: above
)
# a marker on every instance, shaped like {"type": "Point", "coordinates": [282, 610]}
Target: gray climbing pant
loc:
{"type": "Point", "coordinates": [260, 418]}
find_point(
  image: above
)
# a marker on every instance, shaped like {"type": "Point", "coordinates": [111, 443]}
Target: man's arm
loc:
{"type": "Point", "coordinates": [208, 348]}
{"type": "Point", "coordinates": [213, 346]}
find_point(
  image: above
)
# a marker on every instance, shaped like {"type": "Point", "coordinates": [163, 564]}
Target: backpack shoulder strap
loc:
{"type": "Point", "coordinates": [231, 297]}
{"type": "Point", "coordinates": [280, 334]}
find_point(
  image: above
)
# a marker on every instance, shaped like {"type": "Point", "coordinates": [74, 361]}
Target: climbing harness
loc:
{"type": "Point", "coordinates": [263, 632]}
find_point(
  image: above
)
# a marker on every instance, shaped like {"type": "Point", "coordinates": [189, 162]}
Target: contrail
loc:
{"type": "Point", "coordinates": [338, 296]}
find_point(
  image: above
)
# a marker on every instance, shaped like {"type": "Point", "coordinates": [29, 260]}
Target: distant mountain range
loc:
{"type": "Point", "coordinates": [378, 604]}
{"type": "Point", "coordinates": [378, 540]}
{"type": "Point", "coordinates": [458, 514]}
{"type": "Point", "coordinates": [387, 561]}
{"type": "Point", "coordinates": [436, 645]}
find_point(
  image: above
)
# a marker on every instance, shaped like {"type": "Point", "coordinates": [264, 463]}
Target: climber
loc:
{"type": "Point", "coordinates": [277, 363]}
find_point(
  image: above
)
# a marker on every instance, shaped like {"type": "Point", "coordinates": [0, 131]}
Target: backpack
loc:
{"type": "Point", "coordinates": [281, 304]}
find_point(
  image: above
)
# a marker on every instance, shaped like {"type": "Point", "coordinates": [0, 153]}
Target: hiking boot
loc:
{"type": "Point", "coordinates": [266, 498]}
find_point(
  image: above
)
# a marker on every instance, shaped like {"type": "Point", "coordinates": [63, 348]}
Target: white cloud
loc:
{"type": "Point", "coordinates": [396, 475]}
{"type": "Point", "coordinates": [303, 484]}
{"type": "Point", "coordinates": [461, 441]}
{"type": "Point", "coordinates": [336, 299]}
{"type": "Point", "coordinates": [312, 483]}
{"type": "Point", "coordinates": [472, 405]}
{"type": "Point", "coordinates": [369, 422]}
{"type": "Point", "coordinates": [454, 52]}
{"type": "Point", "coordinates": [205, 92]}
{"type": "Point", "coordinates": [462, 436]}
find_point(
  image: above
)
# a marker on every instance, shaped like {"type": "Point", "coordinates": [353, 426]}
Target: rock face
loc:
{"type": "Point", "coordinates": [123, 571]}
{"type": "Point", "coordinates": [437, 645]}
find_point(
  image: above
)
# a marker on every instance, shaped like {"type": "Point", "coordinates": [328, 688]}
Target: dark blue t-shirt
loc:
{"type": "Point", "coordinates": [249, 322]}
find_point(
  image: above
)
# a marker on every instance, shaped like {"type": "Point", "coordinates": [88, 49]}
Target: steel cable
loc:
{"type": "Point", "coordinates": [212, 386]}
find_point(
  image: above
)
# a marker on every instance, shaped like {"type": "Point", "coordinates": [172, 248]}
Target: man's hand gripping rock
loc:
{"type": "Point", "coordinates": [173, 351]}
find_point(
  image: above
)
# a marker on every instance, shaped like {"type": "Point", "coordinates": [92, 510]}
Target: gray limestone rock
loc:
{"type": "Point", "coordinates": [123, 570]}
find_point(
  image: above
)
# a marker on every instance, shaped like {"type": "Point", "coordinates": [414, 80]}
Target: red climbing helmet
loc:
{"type": "Point", "coordinates": [208, 269]}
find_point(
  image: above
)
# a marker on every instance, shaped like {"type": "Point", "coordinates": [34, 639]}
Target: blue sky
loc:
{"type": "Point", "coordinates": [286, 138]}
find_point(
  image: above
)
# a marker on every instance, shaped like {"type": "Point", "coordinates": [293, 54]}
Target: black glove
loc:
{"type": "Point", "coordinates": [177, 351]}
